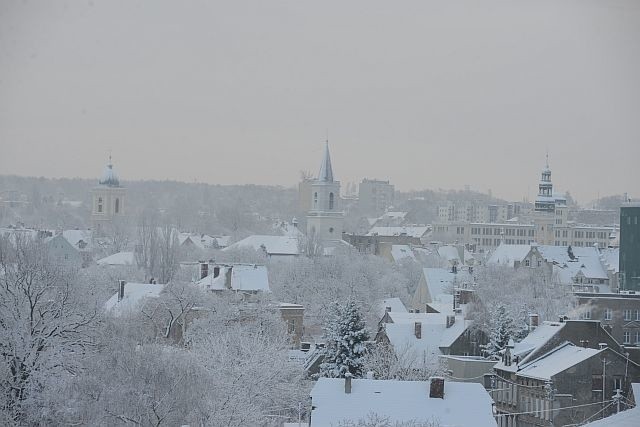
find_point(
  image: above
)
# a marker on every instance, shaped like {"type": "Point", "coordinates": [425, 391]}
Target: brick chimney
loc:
{"type": "Point", "coordinates": [347, 383]}
{"type": "Point", "coordinates": [436, 387]}
{"type": "Point", "coordinates": [451, 320]}
{"type": "Point", "coordinates": [121, 284]}
{"type": "Point", "coordinates": [417, 326]}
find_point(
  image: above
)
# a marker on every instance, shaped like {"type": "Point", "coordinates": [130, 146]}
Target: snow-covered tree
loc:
{"type": "Point", "coordinates": [44, 333]}
{"type": "Point", "coordinates": [346, 341]}
{"type": "Point", "coordinates": [501, 332]}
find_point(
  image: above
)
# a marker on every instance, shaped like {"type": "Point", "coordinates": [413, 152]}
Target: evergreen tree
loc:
{"type": "Point", "coordinates": [501, 331]}
{"type": "Point", "coordinates": [346, 338]}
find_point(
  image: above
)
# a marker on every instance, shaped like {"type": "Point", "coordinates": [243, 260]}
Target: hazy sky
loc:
{"type": "Point", "coordinates": [427, 94]}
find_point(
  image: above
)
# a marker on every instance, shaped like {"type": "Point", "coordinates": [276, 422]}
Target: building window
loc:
{"type": "Point", "coordinates": [527, 263]}
{"type": "Point", "coordinates": [626, 337]}
{"type": "Point", "coordinates": [637, 337]}
{"type": "Point", "coordinates": [291, 326]}
{"type": "Point", "coordinates": [330, 201]}
{"type": "Point", "coordinates": [99, 204]}
{"type": "Point", "coordinates": [117, 207]}
{"type": "Point", "coordinates": [315, 199]}
{"type": "Point", "coordinates": [627, 315]}
{"type": "Point", "coordinates": [607, 314]}
{"type": "Point", "coordinates": [637, 315]}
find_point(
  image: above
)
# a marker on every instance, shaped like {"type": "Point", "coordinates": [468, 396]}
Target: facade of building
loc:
{"type": "Point", "coordinates": [325, 219]}
{"type": "Point", "coordinates": [630, 247]}
{"type": "Point", "coordinates": [108, 199]}
{"type": "Point", "coordinates": [548, 224]}
{"type": "Point", "coordinates": [375, 196]}
{"type": "Point", "coordinates": [619, 314]}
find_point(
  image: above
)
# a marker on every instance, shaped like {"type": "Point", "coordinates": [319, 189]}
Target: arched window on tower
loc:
{"type": "Point", "coordinates": [99, 204]}
{"type": "Point", "coordinates": [117, 207]}
{"type": "Point", "coordinates": [315, 199]}
{"type": "Point", "coordinates": [330, 201]}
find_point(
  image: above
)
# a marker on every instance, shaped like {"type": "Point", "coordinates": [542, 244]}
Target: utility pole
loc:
{"type": "Point", "coordinates": [551, 395]}
{"type": "Point", "coordinates": [604, 370]}
{"type": "Point", "coordinates": [617, 398]}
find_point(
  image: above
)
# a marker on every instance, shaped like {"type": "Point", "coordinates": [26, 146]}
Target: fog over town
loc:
{"type": "Point", "coordinates": [329, 214]}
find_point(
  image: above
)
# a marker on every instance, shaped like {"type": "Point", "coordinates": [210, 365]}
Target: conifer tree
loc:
{"type": "Point", "coordinates": [346, 341]}
{"type": "Point", "coordinates": [501, 332]}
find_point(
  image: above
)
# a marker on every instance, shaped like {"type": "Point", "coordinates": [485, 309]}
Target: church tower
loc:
{"type": "Point", "coordinates": [325, 219]}
{"type": "Point", "coordinates": [108, 200]}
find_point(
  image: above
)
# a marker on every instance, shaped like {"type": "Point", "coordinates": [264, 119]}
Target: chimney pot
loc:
{"type": "Point", "coordinates": [388, 309]}
{"type": "Point", "coordinates": [418, 329]}
{"type": "Point", "coordinates": [121, 284]}
{"type": "Point", "coordinates": [347, 383]}
{"type": "Point", "coordinates": [534, 320]}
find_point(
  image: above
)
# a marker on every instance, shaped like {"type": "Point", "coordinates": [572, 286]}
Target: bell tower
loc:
{"type": "Point", "coordinates": [108, 199]}
{"type": "Point", "coordinates": [325, 219]}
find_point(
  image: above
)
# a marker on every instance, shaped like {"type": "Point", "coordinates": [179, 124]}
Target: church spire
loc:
{"type": "Point", "coordinates": [326, 173]}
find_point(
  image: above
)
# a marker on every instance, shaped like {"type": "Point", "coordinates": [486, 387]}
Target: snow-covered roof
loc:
{"type": "Point", "coordinates": [559, 359]}
{"type": "Point", "coordinates": [395, 304]}
{"type": "Point", "coordinates": [134, 295]}
{"type": "Point", "coordinates": [274, 245]}
{"type": "Point", "coordinates": [509, 254]}
{"type": "Point", "coordinates": [434, 333]}
{"type": "Point", "coordinates": [203, 241]}
{"type": "Point", "coordinates": [536, 339]}
{"type": "Point", "coordinates": [400, 252]}
{"type": "Point", "coordinates": [120, 258]}
{"type": "Point", "coordinates": [79, 239]}
{"type": "Point", "coordinates": [587, 261]}
{"type": "Point", "coordinates": [415, 231]}
{"type": "Point", "coordinates": [611, 258]}
{"type": "Point", "coordinates": [400, 401]}
{"type": "Point", "coordinates": [244, 277]}
{"type": "Point", "coordinates": [441, 281]}
{"type": "Point", "coordinates": [394, 215]}
{"type": "Point", "coordinates": [628, 418]}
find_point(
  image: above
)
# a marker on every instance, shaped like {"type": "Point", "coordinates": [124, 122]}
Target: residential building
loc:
{"type": "Point", "coordinates": [346, 400]}
{"type": "Point", "coordinates": [375, 196]}
{"type": "Point", "coordinates": [108, 200]}
{"type": "Point", "coordinates": [619, 314]}
{"type": "Point", "coordinates": [567, 385]}
{"type": "Point", "coordinates": [238, 277]}
{"type": "Point", "coordinates": [630, 247]}
{"type": "Point", "coordinates": [582, 267]}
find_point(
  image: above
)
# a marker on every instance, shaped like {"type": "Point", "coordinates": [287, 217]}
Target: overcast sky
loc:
{"type": "Point", "coordinates": [426, 94]}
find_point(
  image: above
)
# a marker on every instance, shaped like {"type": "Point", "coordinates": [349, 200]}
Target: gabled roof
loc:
{"type": "Point", "coordinates": [586, 260]}
{"type": "Point", "coordinates": [441, 281]}
{"type": "Point", "coordinates": [244, 277]}
{"type": "Point", "coordinates": [79, 239]}
{"type": "Point", "coordinates": [535, 340]}
{"type": "Point", "coordinates": [274, 245]}
{"type": "Point", "coordinates": [134, 296]}
{"type": "Point", "coordinates": [120, 258]}
{"type": "Point", "coordinates": [509, 254]}
{"type": "Point", "coordinates": [395, 304]}
{"type": "Point", "coordinates": [434, 333]}
{"type": "Point", "coordinates": [559, 359]}
{"type": "Point", "coordinates": [400, 401]}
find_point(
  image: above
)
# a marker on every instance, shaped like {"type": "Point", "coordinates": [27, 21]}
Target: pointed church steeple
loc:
{"type": "Point", "coordinates": [326, 173]}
